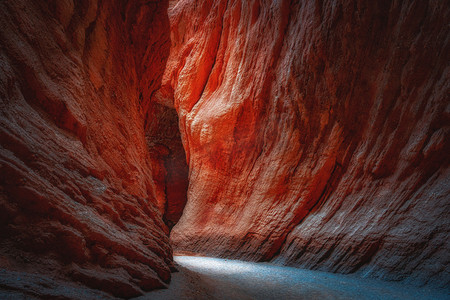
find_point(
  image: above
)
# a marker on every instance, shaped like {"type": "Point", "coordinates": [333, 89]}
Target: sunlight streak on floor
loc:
{"type": "Point", "coordinates": [214, 278]}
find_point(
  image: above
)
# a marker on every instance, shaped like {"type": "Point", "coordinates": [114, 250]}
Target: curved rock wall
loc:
{"type": "Point", "coordinates": [316, 132]}
{"type": "Point", "coordinates": [77, 197]}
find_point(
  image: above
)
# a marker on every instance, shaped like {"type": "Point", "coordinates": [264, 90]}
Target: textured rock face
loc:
{"type": "Point", "coordinates": [317, 133]}
{"type": "Point", "coordinates": [77, 198]}
{"type": "Point", "coordinates": [165, 143]}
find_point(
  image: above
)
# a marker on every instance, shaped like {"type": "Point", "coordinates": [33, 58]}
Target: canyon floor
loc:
{"type": "Point", "coordinates": [214, 278]}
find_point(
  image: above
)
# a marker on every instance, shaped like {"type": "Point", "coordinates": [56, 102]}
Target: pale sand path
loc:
{"type": "Point", "coordinates": [214, 278]}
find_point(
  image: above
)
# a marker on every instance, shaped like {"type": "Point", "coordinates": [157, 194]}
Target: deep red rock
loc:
{"type": "Point", "coordinates": [164, 140]}
{"type": "Point", "coordinates": [79, 197]}
{"type": "Point", "coordinates": [316, 132]}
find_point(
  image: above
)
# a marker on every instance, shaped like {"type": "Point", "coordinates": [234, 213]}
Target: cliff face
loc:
{"type": "Point", "coordinates": [316, 132]}
{"type": "Point", "coordinates": [77, 197]}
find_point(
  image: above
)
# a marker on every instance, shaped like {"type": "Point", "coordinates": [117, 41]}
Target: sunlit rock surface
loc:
{"type": "Point", "coordinates": [316, 133]}
{"type": "Point", "coordinates": [77, 199]}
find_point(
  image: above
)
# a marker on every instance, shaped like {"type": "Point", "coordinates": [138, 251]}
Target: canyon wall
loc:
{"type": "Point", "coordinates": [316, 132]}
{"type": "Point", "coordinates": [80, 196]}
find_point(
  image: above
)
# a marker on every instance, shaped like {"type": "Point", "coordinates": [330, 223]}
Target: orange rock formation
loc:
{"type": "Point", "coordinates": [316, 135]}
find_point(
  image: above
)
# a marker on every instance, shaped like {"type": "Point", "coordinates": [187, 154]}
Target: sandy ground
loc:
{"type": "Point", "coordinates": [213, 278]}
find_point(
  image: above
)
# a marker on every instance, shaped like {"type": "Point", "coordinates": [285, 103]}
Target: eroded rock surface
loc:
{"type": "Point", "coordinates": [316, 132]}
{"type": "Point", "coordinates": [164, 141]}
{"type": "Point", "coordinates": [78, 197]}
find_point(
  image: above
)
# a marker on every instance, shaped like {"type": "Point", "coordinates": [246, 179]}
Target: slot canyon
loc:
{"type": "Point", "coordinates": [309, 135]}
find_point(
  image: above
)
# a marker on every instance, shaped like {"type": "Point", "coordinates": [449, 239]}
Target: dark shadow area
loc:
{"type": "Point", "coordinates": [164, 139]}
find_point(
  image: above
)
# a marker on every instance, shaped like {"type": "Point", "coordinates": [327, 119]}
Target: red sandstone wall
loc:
{"type": "Point", "coordinates": [77, 198]}
{"type": "Point", "coordinates": [317, 133]}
